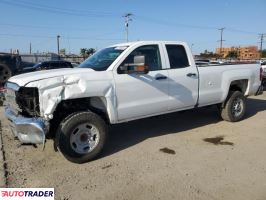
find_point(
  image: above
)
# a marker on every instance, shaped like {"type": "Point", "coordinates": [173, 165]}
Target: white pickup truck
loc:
{"type": "Point", "coordinates": [117, 84]}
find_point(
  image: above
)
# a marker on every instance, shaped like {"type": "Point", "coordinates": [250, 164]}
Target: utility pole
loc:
{"type": "Point", "coordinates": [30, 47]}
{"type": "Point", "coordinates": [127, 20]}
{"type": "Point", "coordinates": [262, 35]}
{"type": "Point", "coordinates": [221, 40]}
{"type": "Point", "coordinates": [261, 40]}
{"type": "Point", "coordinates": [191, 47]}
{"type": "Point", "coordinates": [58, 50]}
{"type": "Point", "coordinates": [239, 53]}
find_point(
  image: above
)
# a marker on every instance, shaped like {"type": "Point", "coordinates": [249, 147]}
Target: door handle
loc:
{"type": "Point", "coordinates": [191, 74]}
{"type": "Point", "coordinates": [161, 77]}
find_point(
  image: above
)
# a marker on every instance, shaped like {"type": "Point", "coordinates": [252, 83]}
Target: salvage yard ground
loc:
{"type": "Point", "coordinates": [186, 155]}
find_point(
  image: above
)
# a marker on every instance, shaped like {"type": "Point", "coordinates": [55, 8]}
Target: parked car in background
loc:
{"type": "Point", "coordinates": [207, 62]}
{"type": "Point", "coordinates": [10, 65]}
{"type": "Point", "coordinates": [53, 64]}
{"type": "Point", "coordinates": [202, 60]}
{"type": "Point", "coordinates": [215, 62]}
{"type": "Point", "coordinates": [201, 63]}
{"type": "Point", "coordinates": [75, 64]}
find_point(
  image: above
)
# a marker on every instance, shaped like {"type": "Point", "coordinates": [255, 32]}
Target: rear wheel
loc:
{"type": "Point", "coordinates": [5, 73]}
{"type": "Point", "coordinates": [235, 107]}
{"type": "Point", "coordinates": [81, 136]}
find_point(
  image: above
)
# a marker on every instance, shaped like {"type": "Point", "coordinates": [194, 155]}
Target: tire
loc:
{"type": "Point", "coordinates": [5, 73]}
{"type": "Point", "coordinates": [235, 107]}
{"type": "Point", "coordinates": [81, 136]}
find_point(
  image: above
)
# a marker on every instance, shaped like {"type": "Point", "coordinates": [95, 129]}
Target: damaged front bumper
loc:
{"type": "Point", "coordinates": [27, 130]}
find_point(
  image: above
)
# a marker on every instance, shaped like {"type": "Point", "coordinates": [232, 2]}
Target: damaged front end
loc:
{"type": "Point", "coordinates": [28, 100]}
{"type": "Point", "coordinates": [23, 111]}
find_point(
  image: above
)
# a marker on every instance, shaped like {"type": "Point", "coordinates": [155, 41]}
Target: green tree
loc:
{"type": "Point", "coordinates": [263, 53]}
{"type": "Point", "coordinates": [85, 53]}
{"type": "Point", "coordinates": [91, 51]}
{"type": "Point", "coordinates": [232, 54]}
{"type": "Point", "coordinates": [62, 51]}
{"type": "Point", "coordinates": [209, 55]}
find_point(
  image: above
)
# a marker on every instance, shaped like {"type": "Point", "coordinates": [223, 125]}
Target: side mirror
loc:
{"type": "Point", "coordinates": [139, 60]}
{"type": "Point", "coordinates": [138, 66]}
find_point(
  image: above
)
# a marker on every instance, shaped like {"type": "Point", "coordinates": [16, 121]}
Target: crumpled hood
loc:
{"type": "Point", "coordinates": [24, 79]}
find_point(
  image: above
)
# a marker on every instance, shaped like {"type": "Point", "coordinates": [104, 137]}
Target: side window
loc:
{"type": "Point", "coordinates": [152, 57]}
{"type": "Point", "coordinates": [177, 56]}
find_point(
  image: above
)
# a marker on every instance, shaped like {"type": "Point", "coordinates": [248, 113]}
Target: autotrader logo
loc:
{"type": "Point", "coordinates": [27, 193]}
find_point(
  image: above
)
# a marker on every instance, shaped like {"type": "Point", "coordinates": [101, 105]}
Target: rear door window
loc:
{"type": "Point", "coordinates": [177, 56]}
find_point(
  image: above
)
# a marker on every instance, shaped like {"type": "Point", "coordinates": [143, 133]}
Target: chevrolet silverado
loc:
{"type": "Point", "coordinates": [117, 84]}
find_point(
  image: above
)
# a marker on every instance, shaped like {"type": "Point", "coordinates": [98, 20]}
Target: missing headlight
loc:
{"type": "Point", "coordinates": [28, 100]}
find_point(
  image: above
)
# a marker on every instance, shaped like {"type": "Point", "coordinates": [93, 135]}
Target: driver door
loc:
{"type": "Point", "coordinates": [140, 95]}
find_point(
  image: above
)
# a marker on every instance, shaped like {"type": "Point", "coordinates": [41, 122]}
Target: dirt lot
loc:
{"type": "Point", "coordinates": [188, 155]}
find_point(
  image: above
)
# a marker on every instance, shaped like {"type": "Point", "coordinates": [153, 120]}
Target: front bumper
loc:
{"type": "Point", "coordinates": [27, 130]}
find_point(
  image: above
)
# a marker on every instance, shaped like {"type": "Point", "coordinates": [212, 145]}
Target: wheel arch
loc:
{"type": "Point", "coordinates": [98, 105]}
{"type": "Point", "coordinates": [240, 85]}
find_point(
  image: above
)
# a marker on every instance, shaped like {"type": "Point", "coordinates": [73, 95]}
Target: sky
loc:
{"type": "Point", "coordinates": [96, 24]}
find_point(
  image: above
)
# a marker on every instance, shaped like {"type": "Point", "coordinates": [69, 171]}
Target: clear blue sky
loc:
{"type": "Point", "coordinates": [86, 24]}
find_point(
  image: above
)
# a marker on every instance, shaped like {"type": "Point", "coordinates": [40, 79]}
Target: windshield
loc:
{"type": "Point", "coordinates": [102, 59]}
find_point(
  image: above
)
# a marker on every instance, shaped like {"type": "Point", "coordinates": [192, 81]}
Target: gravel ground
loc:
{"type": "Point", "coordinates": [2, 162]}
{"type": "Point", "coordinates": [187, 155]}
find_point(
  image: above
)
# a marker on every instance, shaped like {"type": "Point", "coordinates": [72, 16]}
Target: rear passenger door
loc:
{"type": "Point", "coordinates": [183, 78]}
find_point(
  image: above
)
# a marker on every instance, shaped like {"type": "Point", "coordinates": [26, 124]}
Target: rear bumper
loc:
{"type": "Point", "coordinates": [27, 130]}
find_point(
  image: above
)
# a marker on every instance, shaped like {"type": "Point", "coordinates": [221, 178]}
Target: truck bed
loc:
{"type": "Point", "coordinates": [214, 80]}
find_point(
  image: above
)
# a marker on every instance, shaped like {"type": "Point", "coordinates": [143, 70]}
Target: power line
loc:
{"type": "Point", "coordinates": [22, 35]}
{"type": "Point", "coordinates": [241, 31]}
{"type": "Point", "coordinates": [69, 10]}
{"type": "Point", "coordinates": [55, 10]}
{"type": "Point", "coordinates": [42, 36]}
{"type": "Point", "coordinates": [166, 23]}
{"type": "Point", "coordinates": [45, 27]}
{"type": "Point", "coordinates": [95, 14]}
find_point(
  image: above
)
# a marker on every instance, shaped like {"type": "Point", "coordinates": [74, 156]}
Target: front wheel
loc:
{"type": "Point", "coordinates": [81, 136]}
{"type": "Point", "coordinates": [235, 107]}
